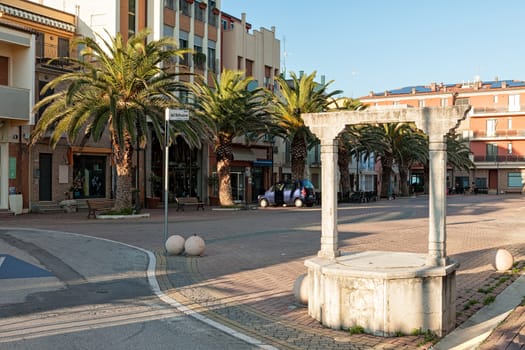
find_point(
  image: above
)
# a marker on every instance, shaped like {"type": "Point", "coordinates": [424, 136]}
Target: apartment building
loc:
{"type": "Point", "coordinates": [494, 129]}
{"type": "Point", "coordinates": [256, 52]}
{"type": "Point", "coordinates": [219, 41]}
{"type": "Point", "coordinates": [30, 34]}
{"type": "Point", "coordinates": [193, 24]}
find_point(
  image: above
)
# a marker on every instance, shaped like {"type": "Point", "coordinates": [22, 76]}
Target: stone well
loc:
{"type": "Point", "coordinates": [384, 292]}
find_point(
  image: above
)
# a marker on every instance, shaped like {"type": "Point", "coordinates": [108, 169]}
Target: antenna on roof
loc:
{"type": "Point", "coordinates": [285, 53]}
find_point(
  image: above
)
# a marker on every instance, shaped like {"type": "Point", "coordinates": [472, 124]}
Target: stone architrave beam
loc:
{"type": "Point", "coordinates": [436, 122]}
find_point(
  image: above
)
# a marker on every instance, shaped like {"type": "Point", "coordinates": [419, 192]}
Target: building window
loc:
{"type": "Point", "coordinates": [509, 124]}
{"type": "Point", "coordinates": [249, 68]}
{"type": "Point", "coordinates": [39, 43]}
{"type": "Point", "coordinates": [421, 103]}
{"type": "Point", "coordinates": [396, 103]}
{"type": "Point", "coordinates": [41, 96]}
{"type": "Point", "coordinates": [169, 4]}
{"type": "Point", "coordinates": [514, 103]}
{"type": "Point", "coordinates": [287, 152]}
{"type": "Point", "coordinates": [63, 47]}
{"type": "Point", "coordinates": [185, 7]}
{"type": "Point", "coordinates": [89, 177]}
{"type": "Point", "coordinates": [199, 58]}
{"type": "Point", "coordinates": [211, 59]}
{"type": "Point", "coordinates": [514, 180]}
{"type": "Point", "coordinates": [268, 77]}
{"type": "Point", "coordinates": [492, 152]}
{"type": "Point", "coordinates": [183, 44]}
{"type": "Point", "coordinates": [509, 148]}
{"type": "Point", "coordinates": [212, 16]}
{"type": "Point", "coordinates": [199, 12]}
{"type": "Point", "coordinates": [184, 97]}
{"type": "Point", "coordinates": [491, 127]}
{"type": "Point", "coordinates": [495, 99]}
{"type": "Point", "coordinates": [481, 182]}
{"type": "Point", "coordinates": [444, 102]}
{"type": "Point", "coordinates": [131, 18]}
{"type": "Point", "coordinates": [239, 63]}
{"type": "Point", "coordinates": [4, 71]}
{"type": "Point", "coordinates": [462, 101]}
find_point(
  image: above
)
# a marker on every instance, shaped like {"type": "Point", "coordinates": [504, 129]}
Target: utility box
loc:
{"type": "Point", "coordinates": [15, 203]}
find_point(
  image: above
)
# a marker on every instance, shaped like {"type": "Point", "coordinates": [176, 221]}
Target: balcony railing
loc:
{"type": "Point", "coordinates": [497, 110]}
{"type": "Point", "coordinates": [514, 133]}
{"type": "Point", "coordinates": [507, 158]}
{"type": "Point", "coordinates": [14, 103]}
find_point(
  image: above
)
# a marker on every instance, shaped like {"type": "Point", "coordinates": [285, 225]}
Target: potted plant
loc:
{"type": "Point", "coordinates": [202, 5]}
{"type": "Point", "coordinates": [215, 11]}
{"type": "Point", "coordinates": [189, 1]}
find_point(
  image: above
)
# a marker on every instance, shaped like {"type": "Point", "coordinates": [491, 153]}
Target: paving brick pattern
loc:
{"type": "Point", "coordinates": [253, 257]}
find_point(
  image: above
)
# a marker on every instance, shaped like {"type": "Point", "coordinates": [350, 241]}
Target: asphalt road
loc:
{"type": "Point", "coordinates": [98, 297]}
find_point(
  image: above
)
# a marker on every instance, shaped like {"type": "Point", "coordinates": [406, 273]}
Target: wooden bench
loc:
{"type": "Point", "coordinates": [187, 201]}
{"type": "Point", "coordinates": [95, 205]}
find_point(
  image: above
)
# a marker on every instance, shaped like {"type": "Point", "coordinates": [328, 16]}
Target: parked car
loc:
{"type": "Point", "coordinates": [298, 193]}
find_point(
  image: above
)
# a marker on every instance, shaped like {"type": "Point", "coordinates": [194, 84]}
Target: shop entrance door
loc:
{"type": "Point", "coordinates": [493, 179]}
{"type": "Point", "coordinates": [237, 181]}
{"type": "Point", "coordinates": [45, 179]}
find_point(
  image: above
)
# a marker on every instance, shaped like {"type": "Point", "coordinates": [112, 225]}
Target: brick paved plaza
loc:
{"type": "Point", "coordinates": [253, 257]}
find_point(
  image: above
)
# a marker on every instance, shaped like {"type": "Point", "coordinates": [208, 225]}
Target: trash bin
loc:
{"type": "Point", "coordinates": [15, 203]}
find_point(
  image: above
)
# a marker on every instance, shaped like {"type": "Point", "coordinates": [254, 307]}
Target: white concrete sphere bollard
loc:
{"type": "Point", "coordinates": [194, 245]}
{"type": "Point", "coordinates": [175, 245]}
{"type": "Point", "coordinates": [503, 260]}
{"type": "Point", "coordinates": [300, 289]}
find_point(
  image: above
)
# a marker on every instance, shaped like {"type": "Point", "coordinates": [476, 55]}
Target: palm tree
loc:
{"type": "Point", "coordinates": [458, 157]}
{"type": "Point", "coordinates": [302, 95]}
{"type": "Point", "coordinates": [236, 110]}
{"type": "Point", "coordinates": [346, 142]}
{"type": "Point", "coordinates": [393, 143]}
{"type": "Point", "coordinates": [119, 90]}
{"type": "Point", "coordinates": [458, 153]}
{"type": "Point", "coordinates": [412, 149]}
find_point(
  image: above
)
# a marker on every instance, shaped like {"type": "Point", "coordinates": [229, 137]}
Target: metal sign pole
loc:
{"type": "Point", "coordinates": [166, 160]}
{"type": "Point", "coordinates": [175, 115]}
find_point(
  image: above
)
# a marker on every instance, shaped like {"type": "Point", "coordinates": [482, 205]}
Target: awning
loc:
{"type": "Point", "coordinates": [244, 154]}
{"type": "Point", "coordinates": [77, 150]}
{"type": "Point", "coordinates": [262, 163]}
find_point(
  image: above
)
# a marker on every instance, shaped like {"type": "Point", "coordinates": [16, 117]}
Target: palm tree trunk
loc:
{"type": "Point", "coordinates": [225, 184]}
{"type": "Point", "coordinates": [386, 164]}
{"type": "Point", "coordinates": [123, 161]}
{"type": "Point", "coordinates": [342, 162]}
{"type": "Point", "coordinates": [403, 185]}
{"type": "Point", "coordinates": [298, 149]}
{"type": "Point", "coordinates": [224, 154]}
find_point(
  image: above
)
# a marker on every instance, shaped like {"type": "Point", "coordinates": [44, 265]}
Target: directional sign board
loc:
{"type": "Point", "coordinates": [177, 114]}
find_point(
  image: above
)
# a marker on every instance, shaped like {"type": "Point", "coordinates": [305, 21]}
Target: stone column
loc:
{"type": "Point", "coordinates": [437, 254]}
{"type": "Point", "coordinates": [329, 236]}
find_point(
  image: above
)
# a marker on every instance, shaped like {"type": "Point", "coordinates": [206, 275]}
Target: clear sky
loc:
{"type": "Point", "coordinates": [377, 45]}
